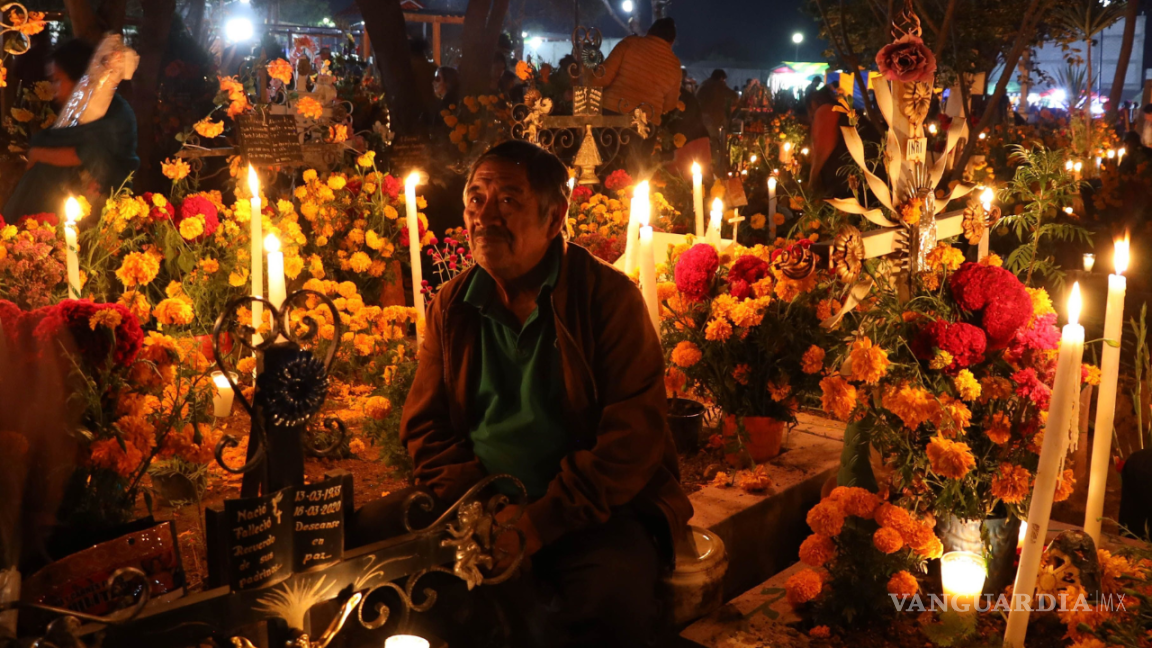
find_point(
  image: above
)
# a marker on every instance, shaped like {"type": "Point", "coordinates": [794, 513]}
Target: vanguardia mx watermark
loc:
{"type": "Point", "coordinates": [1003, 603]}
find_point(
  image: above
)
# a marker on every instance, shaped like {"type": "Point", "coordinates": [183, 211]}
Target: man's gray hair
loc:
{"type": "Point", "coordinates": [547, 175]}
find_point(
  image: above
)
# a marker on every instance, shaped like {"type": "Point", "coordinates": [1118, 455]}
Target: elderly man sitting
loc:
{"type": "Point", "coordinates": [540, 362]}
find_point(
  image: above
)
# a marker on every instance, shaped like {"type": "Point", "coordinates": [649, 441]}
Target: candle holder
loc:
{"type": "Point", "coordinates": [291, 387]}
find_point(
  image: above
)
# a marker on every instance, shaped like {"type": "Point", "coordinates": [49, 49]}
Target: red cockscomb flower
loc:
{"type": "Point", "coordinates": [998, 295]}
{"type": "Point", "coordinates": [391, 186]}
{"type": "Point", "coordinates": [695, 270]}
{"type": "Point", "coordinates": [167, 212]}
{"type": "Point", "coordinates": [199, 206]}
{"type": "Point", "coordinates": [746, 271]}
{"type": "Point", "coordinates": [964, 342]}
{"type": "Point", "coordinates": [72, 316]}
{"type": "Point", "coordinates": [618, 179]}
{"type": "Point", "coordinates": [581, 194]}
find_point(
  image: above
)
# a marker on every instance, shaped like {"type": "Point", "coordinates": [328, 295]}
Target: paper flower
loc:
{"type": "Point", "coordinates": [907, 60]}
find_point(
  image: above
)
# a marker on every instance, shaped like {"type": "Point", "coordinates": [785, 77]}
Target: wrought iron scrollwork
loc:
{"type": "Point", "coordinates": [304, 330]}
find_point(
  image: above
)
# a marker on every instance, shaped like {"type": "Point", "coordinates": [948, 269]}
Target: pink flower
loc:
{"type": "Point", "coordinates": [1028, 386]}
{"type": "Point", "coordinates": [908, 60]}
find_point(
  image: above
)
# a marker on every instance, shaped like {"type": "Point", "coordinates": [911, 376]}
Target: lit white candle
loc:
{"type": "Point", "coordinates": [222, 401]}
{"type": "Point", "coordinates": [1106, 401]}
{"type": "Point", "coordinates": [410, 183]}
{"type": "Point", "coordinates": [1089, 261]}
{"type": "Point", "coordinates": [568, 221]}
{"type": "Point", "coordinates": [72, 247]}
{"type": "Point", "coordinates": [276, 289]}
{"type": "Point", "coordinates": [1120, 155]}
{"type": "Point", "coordinates": [648, 274]}
{"type": "Point", "coordinates": [1077, 168]}
{"type": "Point", "coordinates": [256, 231]}
{"type": "Point", "coordinates": [786, 153]}
{"type": "Point", "coordinates": [698, 198]}
{"type": "Point", "coordinates": [1111, 154]}
{"type": "Point", "coordinates": [1065, 389]}
{"type": "Point", "coordinates": [714, 224]}
{"type": "Point", "coordinates": [772, 207]}
{"type": "Point", "coordinates": [962, 573]}
{"type": "Point", "coordinates": [986, 202]}
{"type": "Point", "coordinates": [637, 212]}
{"type": "Point", "coordinates": [405, 641]}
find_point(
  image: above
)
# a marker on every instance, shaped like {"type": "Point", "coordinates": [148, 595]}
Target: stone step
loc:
{"type": "Point", "coordinates": [762, 532]}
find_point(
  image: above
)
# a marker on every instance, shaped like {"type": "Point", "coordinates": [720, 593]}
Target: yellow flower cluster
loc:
{"type": "Point", "coordinates": [967, 385]}
{"type": "Point", "coordinates": [175, 170]}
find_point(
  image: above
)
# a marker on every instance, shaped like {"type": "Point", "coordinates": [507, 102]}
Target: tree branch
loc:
{"type": "Point", "coordinates": [611, 12]}
{"type": "Point", "coordinates": [849, 59]}
{"type": "Point", "coordinates": [945, 27]}
{"type": "Point", "coordinates": [84, 23]}
{"type": "Point", "coordinates": [926, 18]}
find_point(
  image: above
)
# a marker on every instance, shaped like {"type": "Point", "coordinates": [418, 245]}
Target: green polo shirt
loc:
{"type": "Point", "coordinates": [517, 404]}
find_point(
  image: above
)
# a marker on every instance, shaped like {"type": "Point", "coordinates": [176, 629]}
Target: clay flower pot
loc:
{"type": "Point", "coordinates": [762, 437]}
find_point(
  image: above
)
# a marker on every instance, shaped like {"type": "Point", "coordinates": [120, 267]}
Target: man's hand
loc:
{"type": "Point", "coordinates": [507, 544]}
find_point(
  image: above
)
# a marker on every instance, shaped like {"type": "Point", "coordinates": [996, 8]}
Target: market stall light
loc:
{"type": "Point", "coordinates": [797, 38]}
{"type": "Point", "coordinates": [239, 30]}
{"type": "Point", "coordinates": [627, 6]}
{"type": "Point", "coordinates": [536, 42]}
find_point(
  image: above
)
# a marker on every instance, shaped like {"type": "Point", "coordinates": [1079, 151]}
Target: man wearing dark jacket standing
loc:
{"type": "Point", "coordinates": [540, 362]}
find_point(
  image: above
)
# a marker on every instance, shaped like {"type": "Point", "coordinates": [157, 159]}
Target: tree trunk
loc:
{"type": "Point", "coordinates": [84, 23]}
{"type": "Point", "coordinates": [483, 21]}
{"type": "Point", "coordinates": [1032, 17]}
{"type": "Point", "coordinates": [157, 23]}
{"type": "Point", "coordinates": [1117, 92]}
{"type": "Point", "coordinates": [1088, 101]}
{"type": "Point", "coordinates": [848, 58]}
{"type": "Point", "coordinates": [384, 20]}
{"type": "Point", "coordinates": [1025, 80]}
{"type": "Point", "coordinates": [196, 20]}
{"type": "Point", "coordinates": [110, 16]}
{"type": "Point", "coordinates": [945, 27]}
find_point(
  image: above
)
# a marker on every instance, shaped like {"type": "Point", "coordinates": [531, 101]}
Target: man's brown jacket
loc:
{"type": "Point", "coordinates": [621, 448]}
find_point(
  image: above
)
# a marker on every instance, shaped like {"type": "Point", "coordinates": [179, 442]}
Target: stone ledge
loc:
{"type": "Point", "coordinates": [762, 533]}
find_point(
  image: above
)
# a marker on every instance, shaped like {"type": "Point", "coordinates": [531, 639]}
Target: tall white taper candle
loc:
{"type": "Point", "coordinates": [698, 198]}
{"type": "Point", "coordinates": [72, 247]}
{"type": "Point", "coordinates": [414, 253]}
{"type": "Point", "coordinates": [1106, 401]}
{"type": "Point", "coordinates": [1065, 389]}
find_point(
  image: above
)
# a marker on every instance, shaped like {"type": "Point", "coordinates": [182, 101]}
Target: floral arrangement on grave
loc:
{"type": "Point", "coordinates": [737, 329]}
{"type": "Point", "coordinates": [137, 398]}
{"type": "Point", "coordinates": [599, 221]}
{"type": "Point", "coordinates": [950, 390]}
{"type": "Point", "coordinates": [33, 110]}
{"type": "Point", "coordinates": [907, 200]}
{"type": "Point", "coordinates": [265, 87]}
{"type": "Point", "coordinates": [477, 123]}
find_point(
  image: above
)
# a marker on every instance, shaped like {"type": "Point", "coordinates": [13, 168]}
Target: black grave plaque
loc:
{"type": "Point", "coordinates": [319, 524]}
{"type": "Point", "coordinates": [269, 140]}
{"type": "Point", "coordinates": [259, 539]}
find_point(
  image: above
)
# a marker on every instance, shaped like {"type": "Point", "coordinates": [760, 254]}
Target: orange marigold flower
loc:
{"type": "Point", "coordinates": [803, 586]}
{"type": "Point", "coordinates": [1064, 486]}
{"type": "Point", "coordinates": [174, 311]}
{"type": "Point", "coordinates": [686, 354]}
{"type": "Point", "coordinates": [838, 397]}
{"type": "Point", "coordinates": [998, 428]}
{"type": "Point", "coordinates": [309, 108]}
{"type": "Point", "coordinates": [718, 330]}
{"type": "Point", "coordinates": [913, 405]}
{"type": "Point", "coordinates": [994, 388]}
{"type": "Point", "coordinates": [820, 632]}
{"type": "Point", "coordinates": [1091, 375]}
{"type": "Point", "coordinates": [952, 459]}
{"type": "Point", "coordinates": [138, 268]}
{"type": "Point", "coordinates": [813, 360]}
{"type": "Point", "coordinates": [740, 374]}
{"type": "Point", "coordinates": [893, 517]}
{"type": "Point", "coordinates": [869, 362]}
{"type": "Point", "coordinates": [856, 501]}
{"type": "Point", "coordinates": [826, 518]}
{"type": "Point", "coordinates": [903, 583]}
{"type": "Point", "coordinates": [280, 70]}
{"type": "Point", "coordinates": [1011, 483]}
{"type": "Point", "coordinates": [816, 550]}
{"type": "Point", "coordinates": [378, 408]}
{"type": "Point", "coordinates": [887, 540]}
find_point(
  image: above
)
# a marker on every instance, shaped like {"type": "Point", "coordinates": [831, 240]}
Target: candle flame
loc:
{"type": "Point", "coordinates": [983, 136]}
{"type": "Point", "coordinates": [571, 184]}
{"type": "Point", "coordinates": [221, 380]}
{"type": "Point", "coordinates": [1074, 304]}
{"type": "Point", "coordinates": [72, 210]}
{"type": "Point", "coordinates": [804, 151]}
{"type": "Point", "coordinates": [932, 128]}
{"type": "Point", "coordinates": [1120, 260]}
{"type": "Point", "coordinates": [271, 243]}
{"type": "Point", "coordinates": [752, 160]}
{"type": "Point", "coordinates": [1111, 153]}
{"type": "Point", "coordinates": [772, 183]}
{"type": "Point", "coordinates": [695, 169]}
{"type": "Point", "coordinates": [1068, 165]}
{"type": "Point", "coordinates": [1122, 152]}
{"type": "Point", "coordinates": [787, 146]}
{"type": "Point", "coordinates": [412, 180]}
{"type": "Point", "coordinates": [1076, 167]}
{"type": "Point", "coordinates": [987, 196]}
{"type": "Point", "coordinates": [253, 182]}
{"type": "Point", "coordinates": [641, 190]}
{"type": "Point", "coordinates": [717, 207]}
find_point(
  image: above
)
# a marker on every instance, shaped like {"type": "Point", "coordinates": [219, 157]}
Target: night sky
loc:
{"type": "Point", "coordinates": [758, 31]}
